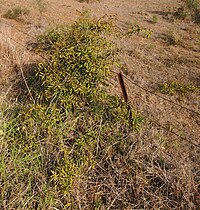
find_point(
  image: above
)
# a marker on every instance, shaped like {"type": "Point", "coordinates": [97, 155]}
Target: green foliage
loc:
{"type": "Point", "coordinates": [136, 29]}
{"type": "Point", "coordinates": [64, 134]}
{"type": "Point", "coordinates": [80, 61]}
{"type": "Point", "coordinates": [154, 19]}
{"type": "Point", "coordinates": [176, 88]}
{"type": "Point", "coordinates": [22, 165]}
{"type": "Point", "coordinates": [64, 144]}
{"type": "Point", "coordinates": [16, 13]}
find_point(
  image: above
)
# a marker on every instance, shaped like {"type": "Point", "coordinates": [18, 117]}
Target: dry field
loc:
{"type": "Point", "coordinates": [170, 55]}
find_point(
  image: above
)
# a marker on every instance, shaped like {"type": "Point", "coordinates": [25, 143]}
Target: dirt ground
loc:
{"type": "Point", "coordinates": [148, 62]}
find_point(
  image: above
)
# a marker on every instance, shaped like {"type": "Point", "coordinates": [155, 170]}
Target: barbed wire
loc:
{"type": "Point", "coordinates": [157, 95]}
{"type": "Point", "coordinates": [174, 133]}
{"type": "Point", "coordinates": [17, 29]}
{"type": "Point", "coordinates": [134, 83]}
{"type": "Point", "coordinates": [170, 131]}
{"type": "Point", "coordinates": [155, 122]}
{"type": "Point", "coordinates": [131, 81]}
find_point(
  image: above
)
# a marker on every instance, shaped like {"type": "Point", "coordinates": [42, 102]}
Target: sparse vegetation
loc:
{"type": "Point", "coordinates": [191, 4]}
{"type": "Point", "coordinates": [41, 6]}
{"type": "Point", "coordinates": [136, 29]}
{"type": "Point", "coordinates": [189, 9]}
{"type": "Point", "coordinates": [173, 38]}
{"type": "Point", "coordinates": [88, 1]}
{"type": "Point", "coordinates": [177, 88]}
{"type": "Point", "coordinates": [16, 13]}
{"type": "Point", "coordinates": [154, 19]}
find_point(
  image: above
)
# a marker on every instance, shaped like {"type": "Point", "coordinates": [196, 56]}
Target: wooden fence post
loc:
{"type": "Point", "coordinates": [125, 95]}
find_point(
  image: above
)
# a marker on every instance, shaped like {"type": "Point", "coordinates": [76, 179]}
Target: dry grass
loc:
{"type": "Point", "coordinates": [8, 55]}
{"type": "Point", "coordinates": [153, 173]}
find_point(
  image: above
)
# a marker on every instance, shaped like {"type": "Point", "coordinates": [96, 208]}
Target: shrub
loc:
{"type": "Point", "coordinates": [80, 61]}
{"type": "Point", "coordinates": [63, 135]}
{"type": "Point", "coordinates": [189, 8]}
{"type": "Point", "coordinates": [16, 13]}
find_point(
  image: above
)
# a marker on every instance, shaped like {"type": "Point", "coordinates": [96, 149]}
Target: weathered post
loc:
{"type": "Point", "coordinates": [125, 95]}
